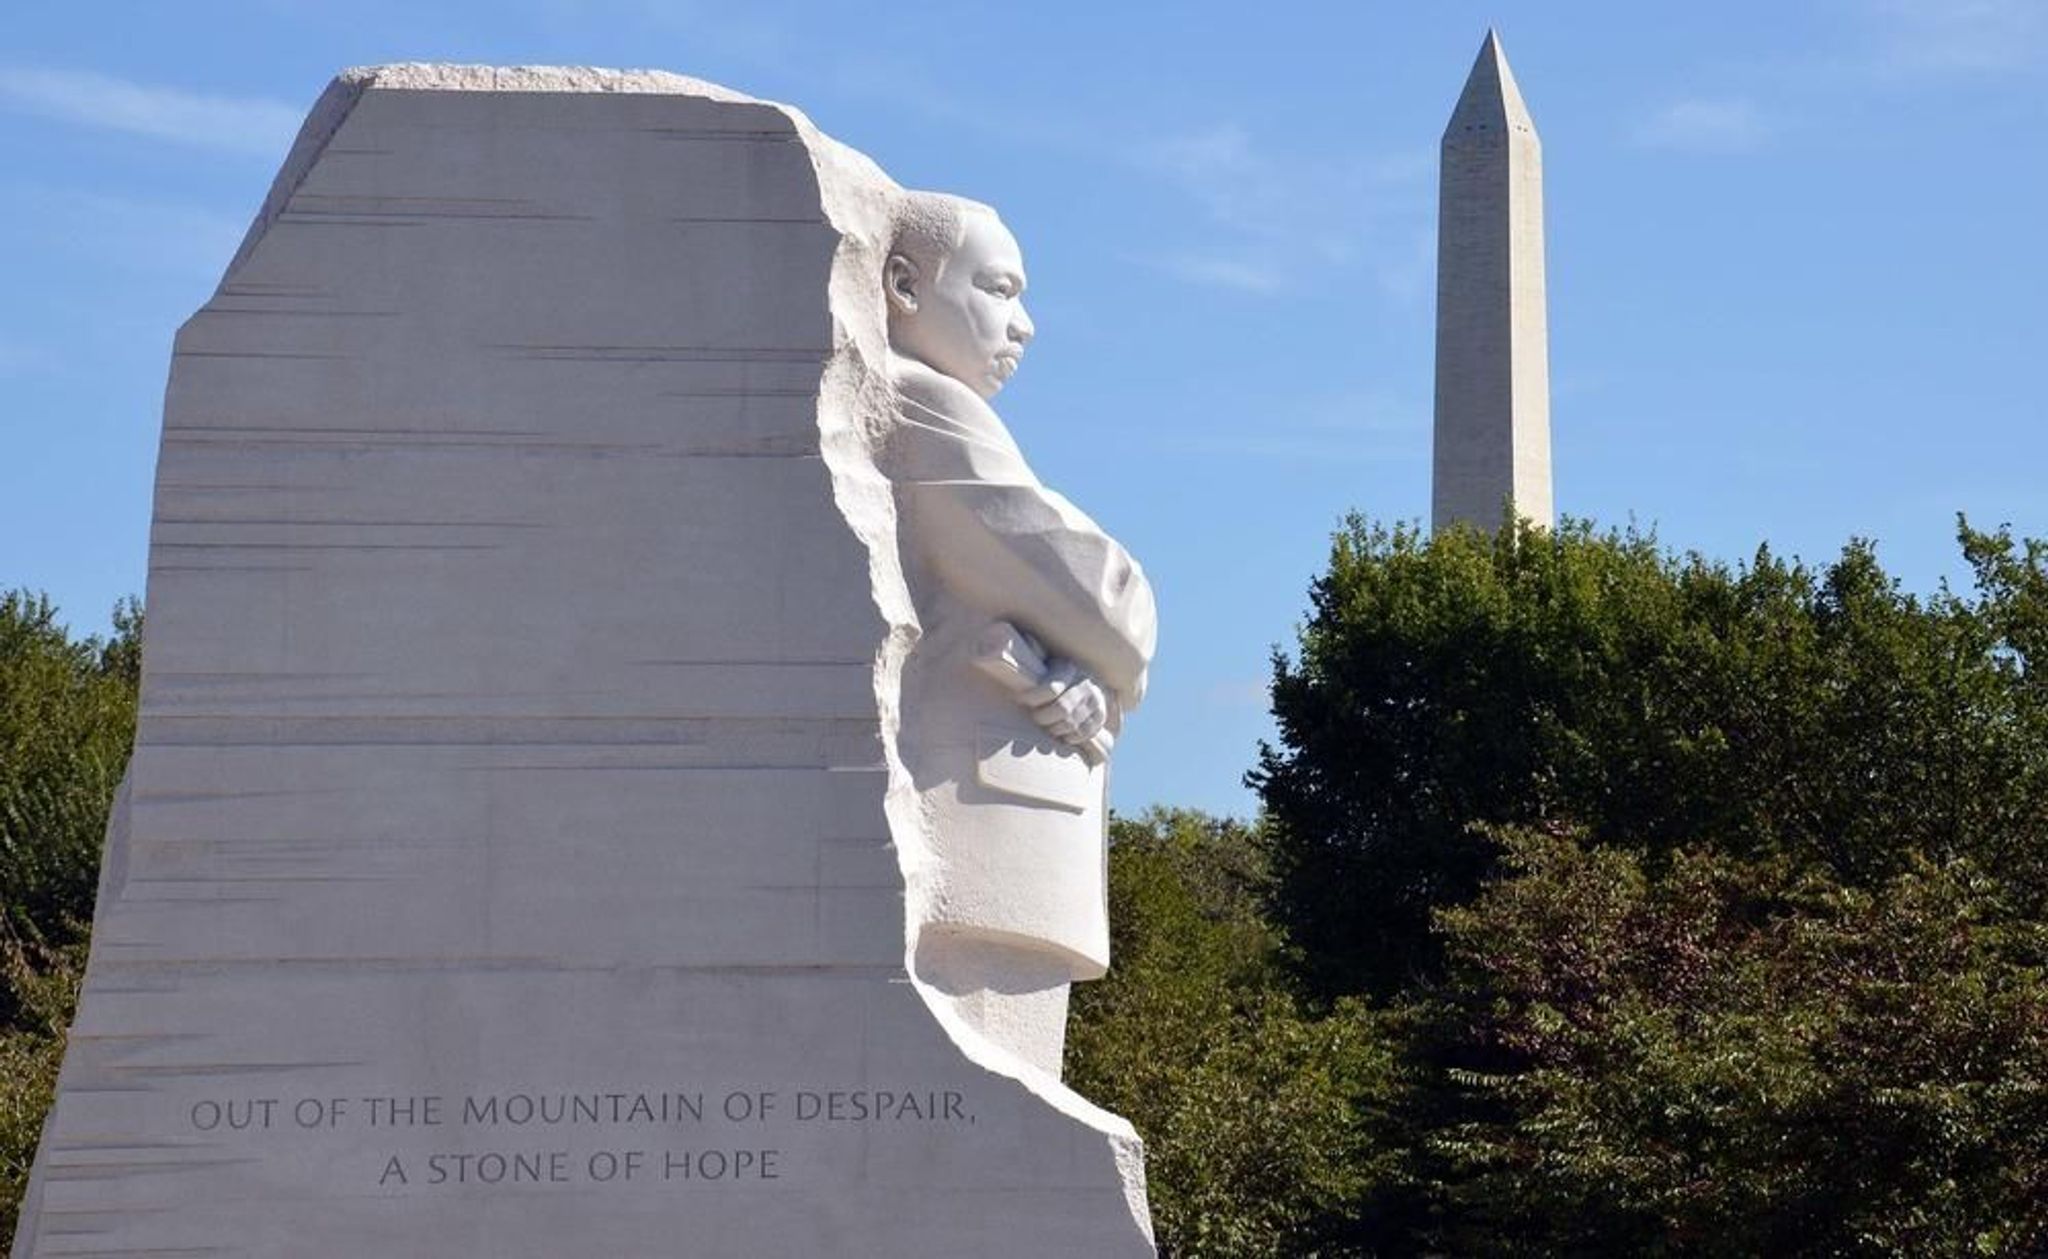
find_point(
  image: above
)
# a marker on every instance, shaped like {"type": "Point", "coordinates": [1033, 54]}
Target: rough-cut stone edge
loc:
{"type": "Point", "coordinates": [854, 402]}
{"type": "Point", "coordinates": [854, 407]}
{"type": "Point", "coordinates": [334, 104]}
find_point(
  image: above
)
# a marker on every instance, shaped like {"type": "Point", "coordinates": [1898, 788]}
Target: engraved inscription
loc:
{"type": "Point", "coordinates": [522, 1138]}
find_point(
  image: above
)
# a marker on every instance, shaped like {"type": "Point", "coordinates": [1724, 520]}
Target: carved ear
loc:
{"type": "Point", "coordinates": [899, 283]}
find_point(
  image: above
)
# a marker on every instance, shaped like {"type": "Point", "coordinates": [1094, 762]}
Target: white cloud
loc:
{"type": "Point", "coordinates": [1218, 271]}
{"type": "Point", "coordinates": [1276, 219]}
{"type": "Point", "coordinates": [1240, 693]}
{"type": "Point", "coordinates": [1261, 194]}
{"type": "Point", "coordinates": [229, 124]}
{"type": "Point", "coordinates": [20, 360]}
{"type": "Point", "coordinates": [1407, 274]}
{"type": "Point", "coordinates": [168, 237]}
{"type": "Point", "coordinates": [1706, 125]}
{"type": "Point", "coordinates": [1355, 426]}
{"type": "Point", "coordinates": [1879, 42]}
{"type": "Point", "coordinates": [1959, 35]}
{"type": "Point", "coordinates": [1218, 166]}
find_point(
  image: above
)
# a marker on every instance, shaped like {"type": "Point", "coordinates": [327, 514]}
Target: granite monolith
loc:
{"type": "Point", "coordinates": [1492, 436]}
{"type": "Point", "coordinates": [519, 855]}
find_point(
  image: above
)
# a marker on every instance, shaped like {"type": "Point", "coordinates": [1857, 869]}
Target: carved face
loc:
{"type": "Point", "coordinates": [968, 321]}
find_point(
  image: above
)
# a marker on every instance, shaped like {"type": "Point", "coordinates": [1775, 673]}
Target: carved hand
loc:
{"type": "Point", "coordinates": [1068, 705]}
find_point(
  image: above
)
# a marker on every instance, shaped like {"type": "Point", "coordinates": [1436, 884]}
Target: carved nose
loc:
{"type": "Point", "coordinates": [1021, 328]}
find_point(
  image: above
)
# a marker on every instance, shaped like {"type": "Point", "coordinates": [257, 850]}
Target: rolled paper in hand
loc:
{"type": "Point", "coordinates": [1005, 654]}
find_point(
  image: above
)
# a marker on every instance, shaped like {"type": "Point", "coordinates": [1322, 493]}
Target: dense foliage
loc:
{"type": "Point", "coordinates": [1732, 1058]}
{"type": "Point", "coordinates": [67, 717]}
{"type": "Point", "coordinates": [1258, 1119]}
{"type": "Point", "coordinates": [1646, 702]}
{"type": "Point", "coordinates": [1627, 904]}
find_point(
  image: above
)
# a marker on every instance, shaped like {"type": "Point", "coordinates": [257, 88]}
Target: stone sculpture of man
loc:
{"type": "Point", "coordinates": [1037, 629]}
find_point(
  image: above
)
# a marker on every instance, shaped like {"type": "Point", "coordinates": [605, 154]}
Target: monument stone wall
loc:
{"type": "Point", "coordinates": [515, 854]}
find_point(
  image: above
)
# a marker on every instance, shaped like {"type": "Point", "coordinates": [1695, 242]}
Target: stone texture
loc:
{"type": "Point", "coordinates": [1036, 633]}
{"type": "Point", "coordinates": [518, 744]}
{"type": "Point", "coordinates": [1492, 343]}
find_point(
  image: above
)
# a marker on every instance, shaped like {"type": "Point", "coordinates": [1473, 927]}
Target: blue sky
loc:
{"type": "Point", "coordinates": [1797, 262]}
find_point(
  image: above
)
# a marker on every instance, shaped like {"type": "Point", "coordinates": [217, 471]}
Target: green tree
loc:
{"type": "Point", "coordinates": [1543, 678]}
{"type": "Point", "coordinates": [67, 719]}
{"type": "Point", "coordinates": [1725, 1057]}
{"type": "Point", "coordinates": [1261, 1123]}
{"type": "Point", "coordinates": [41, 987]}
{"type": "Point", "coordinates": [1706, 901]}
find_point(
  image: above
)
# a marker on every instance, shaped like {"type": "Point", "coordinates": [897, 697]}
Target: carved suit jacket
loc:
{"type": "Point", "coordinates": [1017, 818]}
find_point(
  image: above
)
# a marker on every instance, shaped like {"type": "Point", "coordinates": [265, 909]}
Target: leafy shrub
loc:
{"type": "Point", "coordinates": [67, 719]}
{"type": "Point", "coordinates": [1647, 701]}
{"type": "Point", "coordinates": [1258, 1119]}
{"type": "Point", "coordinates": [1727, 1057]}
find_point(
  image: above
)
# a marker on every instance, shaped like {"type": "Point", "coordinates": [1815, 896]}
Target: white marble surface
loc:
{"type": "Point", "coordinates": [520, 730]}
{"type": "Point", "coordinates": [1010, 764]}
{"type": "Point", "coordinates": [1492, 440]}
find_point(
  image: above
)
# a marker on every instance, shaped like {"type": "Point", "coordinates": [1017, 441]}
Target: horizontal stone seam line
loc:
{"type": "Point", "coordinates": [545, 966]}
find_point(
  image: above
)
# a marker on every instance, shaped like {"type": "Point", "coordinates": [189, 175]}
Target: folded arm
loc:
{"type": "Point", "coordinates": [987, 530]}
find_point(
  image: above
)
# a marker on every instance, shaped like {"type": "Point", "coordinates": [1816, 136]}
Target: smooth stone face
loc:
{"type": "Point", "coordinates": [515, 853]}
{"type": "Point", "coordinates": [1037, 629]}
{"type": "Point", "coordinates": [1492, 437]}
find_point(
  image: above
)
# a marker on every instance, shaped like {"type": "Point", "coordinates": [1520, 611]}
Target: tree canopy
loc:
{"type": "Point", "coordinates": [67, 719]}
{"type": "Point", "coordinates": [1625, 903]}
{"type": "Point", "coordinates": [1647, 701]}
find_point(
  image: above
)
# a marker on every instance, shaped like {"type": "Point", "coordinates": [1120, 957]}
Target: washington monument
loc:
{"type": "Point", "coordinates": [1492, 368]}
